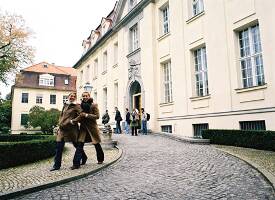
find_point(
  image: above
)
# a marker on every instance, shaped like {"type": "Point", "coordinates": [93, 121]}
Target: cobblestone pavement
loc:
{"type": "Point", "coordinates": [30, 175]}
{"type": "Point", "coordinates": [153, 167]}
{"type": "Point", "coordinates": [265, 159]}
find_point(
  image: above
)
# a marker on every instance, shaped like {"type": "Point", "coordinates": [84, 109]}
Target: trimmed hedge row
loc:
{"type": "Point", "coordinates": [20, 138]}
{"type": "Point", "coordinates": [264, 140]}
{"type": "Point", "coordinates": [31, 148]}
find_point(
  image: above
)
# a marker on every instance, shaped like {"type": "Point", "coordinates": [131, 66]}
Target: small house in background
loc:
{"type": "Point", "coordinates": [43, 84]}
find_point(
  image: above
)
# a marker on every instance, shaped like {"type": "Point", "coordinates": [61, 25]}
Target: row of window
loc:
{"type": "Point", "coordinates": [87, 72]}
{"type": "Point", "coordinates": [197, 128]}
{"type": "Point", "coordinates": [251, 65]}
{"type": "Point", "coordinates": [39, 98]}
{"type": "Point", "coordinates": [105, 96]}
{"type": "Point", "coordinates": [48, 80]}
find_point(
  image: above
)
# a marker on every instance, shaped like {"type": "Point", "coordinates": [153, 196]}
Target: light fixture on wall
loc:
{"type": "Point", "coordinates": [88, 87]}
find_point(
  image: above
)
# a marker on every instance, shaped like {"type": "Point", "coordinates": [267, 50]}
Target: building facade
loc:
{"type": "Point", "coordinates": [192, 64]}
{"type": "Point", "coordinates": [43, 84]}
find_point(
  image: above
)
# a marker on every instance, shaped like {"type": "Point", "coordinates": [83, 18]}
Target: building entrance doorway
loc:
{"type": "Point", "coordinates": [135, 96]}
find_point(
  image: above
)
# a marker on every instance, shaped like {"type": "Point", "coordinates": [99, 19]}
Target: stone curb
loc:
{"type": "Point", "coordinates": [183, 139]}
{"type": "Point", "coordinates": [266, 174]}
{"type": "Point", "coordinates": [37, 188]}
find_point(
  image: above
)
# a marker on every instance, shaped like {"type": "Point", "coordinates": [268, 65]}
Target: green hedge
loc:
{"type": "Point", "coordinates": [18, 149]}
{"type": "Point", "coordinates": [264, 140]}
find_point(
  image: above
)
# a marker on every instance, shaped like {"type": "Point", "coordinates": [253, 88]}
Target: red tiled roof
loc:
{"type": "Point", "coordinates": [45, 67]}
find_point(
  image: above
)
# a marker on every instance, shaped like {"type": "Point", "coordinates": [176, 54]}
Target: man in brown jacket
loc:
{"type": "Point", "coordinates": [89, 131]}
{"type": "Point", "coordinates": [67, 132]}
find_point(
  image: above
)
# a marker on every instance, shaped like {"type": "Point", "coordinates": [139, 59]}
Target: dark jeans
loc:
{"type": "Point", "coordinates": [80, 154]}
{"type": "Point", "coordinates": [118, 127]}
{"type": "Point", "coordinates": [58, 153]}
{"type": "Point", "coordinates": [134, 130]}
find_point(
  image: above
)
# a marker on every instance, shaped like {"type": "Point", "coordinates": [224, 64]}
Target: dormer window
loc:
{"type": "Point", "coordinates": [66, 82]}
{"type": "Point", "coordinates": [132, 3]}
{"type": "Point", "coordinates": [45, 65]}
{"type": "Point", "coordinates": [46, 80]}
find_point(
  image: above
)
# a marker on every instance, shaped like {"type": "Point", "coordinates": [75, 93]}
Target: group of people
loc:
{"type": "Point", "coordinates": [69, 130]}
{"type": "Point", "coordinates": [132, 120]}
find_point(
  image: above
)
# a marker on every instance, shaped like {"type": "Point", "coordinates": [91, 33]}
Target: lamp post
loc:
{"type": "Point", "coordinates": [88, 87]}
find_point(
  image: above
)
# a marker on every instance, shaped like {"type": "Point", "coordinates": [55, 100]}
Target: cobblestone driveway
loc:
{"type": "Point", "coordinates": [154, 167]}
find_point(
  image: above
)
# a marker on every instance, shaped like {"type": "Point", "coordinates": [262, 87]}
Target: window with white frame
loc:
{"type": "Point", "coordinates": [87, 75]}
{"type": "Point", "coordinates": [104, 98]}
{"type": "Point", "coordinates": [105, 61]}
{"type": "Point", "coordinates": [95, 96]}
{"type": "Point", "coordinates": [65, 98]}
{"type": "Point", "coordinates": [66, 81]}
{"type": "Point", "coordinates": [167, 82]}
{"type": "Point", "coordinates": [46, 80]}
{"type": "Point", "coordinates": [81, 78]}
{"type": "Point", "coordinates": [134, 41]}
{"type": "Point", "coordinates": [25, 98]}
{"type": "Point", "coordinates": [251, 60]}
{"type": "Point", "coordinates": [201, 76]}
{"type": "Point", "coordinates": [197, 7]}
{"type": "Point", "coordinates": [24, 119]}
{"type": "Point", "coordinates": [115, 94]}
{"type": "Point", "coordinates": [52, 99]}
{"type": "Point", "coordinates": [95, 68]}
{"type": "Point", "coordinates": [115, 53]}
{"type": "Point", "coordinates": [132, 3]}
{"type": "Point", "coordinates": [39, 99]}
{"type": "Point", "coordinates": [253, 125]}
{"type": "Point", "coordinates": [166, 128]}
{"type": "Point", "coordinates": [165, 20]}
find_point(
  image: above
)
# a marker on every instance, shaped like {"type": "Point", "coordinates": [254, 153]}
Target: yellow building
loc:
{"type": "Point", "coordinates": [192, 64]}
{"type": "Point", "coordinates": [43, 84]}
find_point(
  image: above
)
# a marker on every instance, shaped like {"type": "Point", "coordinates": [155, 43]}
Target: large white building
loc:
{"type": "Point", "coordinates": [42, 84]}
{"type": "Point", "coordinates": [192, 64]}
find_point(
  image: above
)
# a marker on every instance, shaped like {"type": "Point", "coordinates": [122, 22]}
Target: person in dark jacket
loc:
{"type": "Point", "coordinates": [127, 121]}
{"type": "Point", "coordinates": [105, 118]}
{"type": "Point", "coordinates": [118, 119]}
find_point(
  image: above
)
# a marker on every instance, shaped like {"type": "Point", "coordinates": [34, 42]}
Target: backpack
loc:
{"type": "Point", "coordinates": [148, 116]}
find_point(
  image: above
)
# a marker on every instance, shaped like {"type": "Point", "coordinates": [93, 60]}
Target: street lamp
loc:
{"type": "Point", "coordinates": [88, 87]}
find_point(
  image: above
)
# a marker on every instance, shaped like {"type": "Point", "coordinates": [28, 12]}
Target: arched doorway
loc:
{"type": "Point", "coordinates": [135, 96]}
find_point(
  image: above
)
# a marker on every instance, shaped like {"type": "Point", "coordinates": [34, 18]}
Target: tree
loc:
{"type": "Point", "coordinates": [5, 116]}
{"type": "Point", "coordinates": [14, 51]}
{"type": "Point", "coordinates": [45, 119]}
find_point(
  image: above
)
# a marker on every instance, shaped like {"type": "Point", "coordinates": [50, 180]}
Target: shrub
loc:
{"type": "Point", "coordinates": [21, 149]}
{"type": "Point", "coordinates": [264, 140]}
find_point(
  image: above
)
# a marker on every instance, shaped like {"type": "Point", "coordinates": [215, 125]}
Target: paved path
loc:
{"type": "Point", "coordinates": [153, 167]}
{"type": "Point", "coordinates": [37, 174]}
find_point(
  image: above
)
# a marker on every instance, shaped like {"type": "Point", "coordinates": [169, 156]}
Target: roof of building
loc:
{"type": "Point", "coordinates": [45, 67]}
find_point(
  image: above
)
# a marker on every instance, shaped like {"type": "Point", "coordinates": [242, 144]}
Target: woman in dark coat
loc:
{"type": "Point", "coordinates": [89, 131]}
{"type": "Point", "coordinates": [67, 132]}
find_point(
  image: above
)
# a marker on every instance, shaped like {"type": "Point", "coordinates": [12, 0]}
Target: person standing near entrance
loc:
{"type": "Point", "coordinates": [118, 119]}
{"type": "Point", "coordinates": [143, 121]}
{"type": "Point", "coordinates": [134, 121]}
{"type": "Point", "coordinates": [127, 121]}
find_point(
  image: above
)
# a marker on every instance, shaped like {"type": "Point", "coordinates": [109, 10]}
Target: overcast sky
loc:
{"type": "Point", "coordinates": [59, 26]}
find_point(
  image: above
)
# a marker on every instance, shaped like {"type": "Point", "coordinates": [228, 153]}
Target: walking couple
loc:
{"type": "Point", "coordinates": [69, 131]}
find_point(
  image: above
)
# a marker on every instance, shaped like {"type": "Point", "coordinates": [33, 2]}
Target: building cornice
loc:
{"type": "Point", "coordinates": [40, 88]}
{"type": "Point", "coordinates": [134, 12]}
